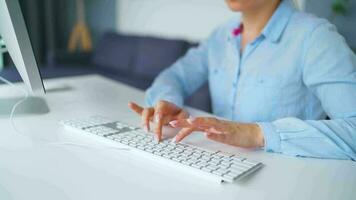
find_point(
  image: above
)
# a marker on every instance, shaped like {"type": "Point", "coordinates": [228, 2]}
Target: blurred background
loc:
{"type": "Point", "coordinates": [131, 41]}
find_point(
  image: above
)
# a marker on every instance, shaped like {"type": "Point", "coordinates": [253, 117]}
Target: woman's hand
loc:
{"type": "Point", "coordinates": [162, 113]}
{"type": "Point", "coordinates": [232, 133]}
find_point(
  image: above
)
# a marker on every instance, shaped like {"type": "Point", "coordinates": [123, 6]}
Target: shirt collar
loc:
{"type": "Point", "coordinates": [279, 20]}
{"type": "Point", "coordinates": [275, 26]}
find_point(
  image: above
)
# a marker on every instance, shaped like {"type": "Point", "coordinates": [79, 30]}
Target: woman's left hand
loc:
{"type": "Point", "coordinates": [237, 134]}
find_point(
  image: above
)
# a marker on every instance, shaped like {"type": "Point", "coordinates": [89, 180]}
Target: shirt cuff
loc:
{"type": "Point", "coordinates": [272, 139]}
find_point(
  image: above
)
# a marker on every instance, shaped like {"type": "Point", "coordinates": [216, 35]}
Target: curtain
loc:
{"type": "Point", "coordinates": [46, 22]}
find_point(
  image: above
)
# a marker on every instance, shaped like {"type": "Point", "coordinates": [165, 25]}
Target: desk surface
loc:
{"type": "Point", "coordinates": [32, 167]}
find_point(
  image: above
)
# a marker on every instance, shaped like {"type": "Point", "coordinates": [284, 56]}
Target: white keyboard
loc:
{"type": "Point", "coordinates": [217, 165]}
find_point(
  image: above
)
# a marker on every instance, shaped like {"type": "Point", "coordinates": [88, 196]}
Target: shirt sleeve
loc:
{"type": "Point", "coordinates": [183, 78]}
{"type": "Point", "coordinates": [330, 74]}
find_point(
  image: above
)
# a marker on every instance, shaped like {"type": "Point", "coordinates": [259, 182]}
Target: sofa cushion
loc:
{"type": "Point", "coordinates": [115, 51]}
{"type": "Point", "coordinates": [154, 55]}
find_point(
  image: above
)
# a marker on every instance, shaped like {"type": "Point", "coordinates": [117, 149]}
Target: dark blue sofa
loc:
{"type": "Point", "coordinates": [133, 60]}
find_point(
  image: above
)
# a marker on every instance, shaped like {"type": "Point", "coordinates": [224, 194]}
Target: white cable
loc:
{"type": "Point", "coordinates": [13, 110]}
{"type": "Point", "coordinates": [17, 103]}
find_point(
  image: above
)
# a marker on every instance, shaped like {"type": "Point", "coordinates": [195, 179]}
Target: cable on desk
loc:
{"type": "Point", "coordinates": [13, 110]}
{"type": "Point", "coordinates": [26, 96]}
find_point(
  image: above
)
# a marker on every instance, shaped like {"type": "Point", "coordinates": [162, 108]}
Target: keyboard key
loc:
{"type": "Point", "coordinates": [215, 162]}
{"type": "Point", "coordinates": [212, 167]}
{"type": "Point", "coordinates": [149, 150]}
{"type": "Point", "coordinates": [238, 158]}
{"type": "Point", "coordinates": [197, 166]}
{"type": "Point", "coordinates": [250, 163]}
{"type": "Point", "coordinates": [224, 165]}
{"type": "Point", "coordinates": [167, 156]}
{"type": "Point", "coordinates": [219, 172]}
{"type": "Point", "coordinates": [186, 162]}
{"type": "Point", "coordinates": [177, 159]}
{"type": "Point", "coordinates": [202, 164]}
{"type": "Point", "coordinates": [141, 147]}
{"type": "Point", "coordinates": [206, 169]}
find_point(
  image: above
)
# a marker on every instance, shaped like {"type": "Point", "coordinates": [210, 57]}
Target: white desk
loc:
{"type": "Point", "coordinates": [34, 170]}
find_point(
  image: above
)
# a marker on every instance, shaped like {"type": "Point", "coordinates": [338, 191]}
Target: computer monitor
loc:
{"type": "Point", "coordinates": [14, 33]}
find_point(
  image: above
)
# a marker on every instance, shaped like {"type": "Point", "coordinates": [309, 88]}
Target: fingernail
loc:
{"type": "Point", "coordinates": [190, 120]}
{"type": "Point", "coordinates": [156, 139]}
{"type": "Point", "coordinates": [173, 123]}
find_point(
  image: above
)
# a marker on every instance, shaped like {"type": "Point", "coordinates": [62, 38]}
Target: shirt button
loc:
{"type": "Point", "coordinates": [234, 84]}
{"type": "Point", "coordinates": [215, 71]}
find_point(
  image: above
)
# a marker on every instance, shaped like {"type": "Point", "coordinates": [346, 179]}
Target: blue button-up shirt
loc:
{"type": "Point", "coordinates": [288, 80]}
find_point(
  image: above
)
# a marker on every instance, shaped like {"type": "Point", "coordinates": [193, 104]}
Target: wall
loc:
{"type": "Point", "coordinates": [346, 24]}
{"type": "Point", "coordinates": [185, 19]}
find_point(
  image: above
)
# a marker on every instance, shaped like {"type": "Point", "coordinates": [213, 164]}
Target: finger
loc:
{"type": "Point", "coordinates": [183, 133]}
{"type": "Point", "coordinates": [213, 130]}
{"type": "Point", "coordinates": [138, 109]}
{"type": "Point", "coordinates": [159, 120]}
{"type": "Point", "coordinates": [181, 115]}
{"type": "Point", "coordinates": [216, 137]}
{"type": "Point", "coordinates": [160, 116]}
{"type": "Point", "coordinates": [204, 121]}
{"type": "Point", "coordinates": [180, 123]}
{"type": "Point", "coordinates": [146, 116]}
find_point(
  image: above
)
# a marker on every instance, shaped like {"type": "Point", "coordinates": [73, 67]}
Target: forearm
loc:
{"type": "Point", "coordinates": [251, 134]}
{"type": "Point", "coordinates": [180, 80]}
{"type": "Point", "coordinates": [165, 87]}
{"type": "Point", "coordinates": [322, 139]}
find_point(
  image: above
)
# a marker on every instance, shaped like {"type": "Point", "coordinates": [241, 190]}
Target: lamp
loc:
{"type": "Point", "coordinates": [80, 37]}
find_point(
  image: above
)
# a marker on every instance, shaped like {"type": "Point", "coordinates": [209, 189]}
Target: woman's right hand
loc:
{"type": "Point", "coordinates": [162, 113]}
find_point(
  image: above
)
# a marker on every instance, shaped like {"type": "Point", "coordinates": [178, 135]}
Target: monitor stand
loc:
{"type": "Point", "coordinates": [32, 106]}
